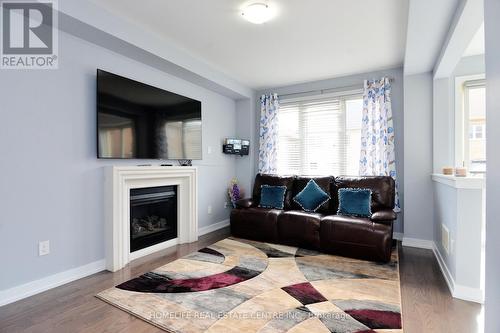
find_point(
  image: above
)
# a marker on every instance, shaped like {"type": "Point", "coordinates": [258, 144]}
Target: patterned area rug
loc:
{"type": "Point", "coordinates": [239, 285]}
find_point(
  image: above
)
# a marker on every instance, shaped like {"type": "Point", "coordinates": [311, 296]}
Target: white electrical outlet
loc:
{"type": "Point", "coordinates": [209, 209]}
{"type": "Point", "coordinates": [209, 150]}
{"type": "Point", "coordinates": [43, 248]}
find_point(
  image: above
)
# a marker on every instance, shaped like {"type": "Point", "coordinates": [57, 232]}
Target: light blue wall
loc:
{"type": "Point", "coordinates": [444, 111]}
{"type": "Point", "coordinates": [492, 286]}
{"type": "Point", "coordinates": [51, 182]}
{"type": "Point", "coordinates": [462, 252]}
{"type": "Point", "coordinates": [245, 123]}
{"type": "Point", "coordinates": [444, 151]}
{"type": "Point", "coordinates": [470, 65]}
{"type": "Point", "coordinates": [357, 80]}
{"type": "Point", "coordinates": [418, 156]}
{"type": "Point", "coordinates": [443, 122]}
{"type": "Point", "coordinates": [445, 211]}
{"type": "Point", "coordinates": [463, 261]}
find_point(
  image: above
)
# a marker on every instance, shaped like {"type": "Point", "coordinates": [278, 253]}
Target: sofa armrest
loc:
{"type": "Point", "coordinates": [385, 215]}
{"type": "Point", "coordinates": [245, 203]}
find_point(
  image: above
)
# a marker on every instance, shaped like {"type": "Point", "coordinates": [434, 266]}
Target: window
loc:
{"type": "Point", "coordinates": [476, 131]}
{"type": "Point", "coordinates": [475, 126]}
{"type": "Point", "coordinates": [116, 136]}
{"type": "Point", "coordinates": [320, 136]}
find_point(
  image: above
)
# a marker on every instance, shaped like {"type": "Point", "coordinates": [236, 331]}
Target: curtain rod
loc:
{"type": "Point", "coordinates": [326, 91]}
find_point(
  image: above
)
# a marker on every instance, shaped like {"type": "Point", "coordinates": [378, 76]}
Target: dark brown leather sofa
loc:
{"type": "Point", "coordinates": [324, 230]}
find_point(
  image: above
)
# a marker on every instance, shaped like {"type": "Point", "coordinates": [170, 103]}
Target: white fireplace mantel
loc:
{"type": "Point", "coordinates": [119, 180]}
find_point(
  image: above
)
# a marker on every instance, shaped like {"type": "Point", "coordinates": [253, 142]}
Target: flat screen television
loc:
{"type": "Point", "coordinates": [139, 121]}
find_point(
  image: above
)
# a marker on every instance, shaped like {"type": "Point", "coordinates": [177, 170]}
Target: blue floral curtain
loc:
{"type": "Point", "coordinates": [377, 132]}
{"type": "Point", "coordinates": [268, 143]}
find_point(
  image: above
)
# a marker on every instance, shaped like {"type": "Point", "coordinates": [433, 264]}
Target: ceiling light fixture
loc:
{"type": "Point", "coordinates": [257, 13]}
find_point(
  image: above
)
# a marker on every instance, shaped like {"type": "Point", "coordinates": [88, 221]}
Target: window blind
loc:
{"type": "Point", "coordinates": [315, 136]}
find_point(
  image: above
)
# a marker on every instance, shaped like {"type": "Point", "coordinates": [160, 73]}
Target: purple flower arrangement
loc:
{"type": "Point", "coordinates": [234, 192]}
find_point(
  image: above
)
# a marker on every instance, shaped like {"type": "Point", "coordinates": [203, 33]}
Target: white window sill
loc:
{"type": "Point", "coordinates": [469, 182]}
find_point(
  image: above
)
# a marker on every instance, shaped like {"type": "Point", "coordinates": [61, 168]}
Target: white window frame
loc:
{"type": "Point", "coordinates": [475, 131]}
{"type": "Point", "coordinates": [461, 114]}
{"type": "Point", "coordinates": [343, 95]}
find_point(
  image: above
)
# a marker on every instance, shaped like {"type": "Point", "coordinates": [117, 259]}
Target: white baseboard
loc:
{"type": "Point", "coordinates": [450, 282]}
{"type": "Point", "coordinates": [213, 227]}
{"type": "Point", "coordinates": [419, 243]}
{"type": "Point", "coordinates": [457, 291]}
{"type": "Point", "coordinates": [17, 293]}
{"type": "Point", "coordinates": [469, 294]}
{"type": "Point", "coordinates": [35, 287]}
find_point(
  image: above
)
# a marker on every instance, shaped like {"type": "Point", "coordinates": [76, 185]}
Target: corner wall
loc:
{"type": "Point", "coordinates": [458, 208]}
{"type": "Point", "coordinates": [444, 111]}
{"type": "Point", "coordinates": [418, 157]}
{"type": "Point", "coordinates": [492, 287]}
{"type": "Point", "coordinates": [52, 182]}
{"type": "Point", "coordinates": [245, 123]}
{"type": "Point", "coordinates": [357, 81]}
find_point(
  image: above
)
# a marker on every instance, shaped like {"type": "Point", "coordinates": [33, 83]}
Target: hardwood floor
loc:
{"type": "Point", "coordinates": [427, 304]}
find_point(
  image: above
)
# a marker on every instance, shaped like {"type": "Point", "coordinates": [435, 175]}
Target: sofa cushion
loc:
{"type": "Point", "coordinates": [355, 202]}
{"type": "Point", "coordinates": [383, 189]}
{"type": "Point", "coordinates": [273, 180]}
{"type": "Point", "coordinates": [272, 196]}
{"type": "Point", "coordinates": [323, 182]}
{"type": "Point", "coordinates": [255, 223]}
{"type": "Point", "coordinates": [356, 237]}
{"type": "Point", "coordinates": [312, 197]}
{"type": "Point", "coordinates": [299, 228]}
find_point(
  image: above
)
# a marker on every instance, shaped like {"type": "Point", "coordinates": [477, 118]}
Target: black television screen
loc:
{"type": "Point", "coordinates": [136, 120]}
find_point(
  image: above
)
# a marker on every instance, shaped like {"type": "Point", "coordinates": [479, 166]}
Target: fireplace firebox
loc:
{"type": "Point", "coordinates": [153, 216]}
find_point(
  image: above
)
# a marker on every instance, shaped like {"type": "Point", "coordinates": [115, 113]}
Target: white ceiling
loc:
{"type": "Point", "coordinates": [476, 45]}
{"type": "Point", "coordinates": [308, 40]}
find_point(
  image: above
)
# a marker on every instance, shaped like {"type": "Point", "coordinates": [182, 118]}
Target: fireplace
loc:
{"type": "Point", "coordinates": [153, 216]}
{"type": "Point", "coordinates": [121, 183]}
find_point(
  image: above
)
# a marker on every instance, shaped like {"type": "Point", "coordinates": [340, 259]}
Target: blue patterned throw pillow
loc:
{"type": "Point", "coordinates": [311, 197]}
{"type": "Point", "coordinates": [355, 202]}
{"type": "Point", "coordinates": [272, 196]}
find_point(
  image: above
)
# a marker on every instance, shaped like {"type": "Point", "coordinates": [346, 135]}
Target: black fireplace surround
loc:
{"type": "Point", "coordinates": [153, 216]}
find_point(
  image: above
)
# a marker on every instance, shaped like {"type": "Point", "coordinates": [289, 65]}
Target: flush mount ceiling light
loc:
{"type": "Point", "coordinates": [257, 13]}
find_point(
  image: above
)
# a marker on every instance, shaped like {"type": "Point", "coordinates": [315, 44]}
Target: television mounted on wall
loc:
{"type": "Point", "coordinates": [139, 121]}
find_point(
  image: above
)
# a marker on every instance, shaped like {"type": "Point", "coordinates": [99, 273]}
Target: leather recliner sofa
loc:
{"type": "Point", "coordinates": [323, 230]}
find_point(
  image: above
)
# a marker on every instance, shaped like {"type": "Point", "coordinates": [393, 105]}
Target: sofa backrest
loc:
{"type": "Point", "coordinates": [274, 180]}
{"type": "Point", "coordinates": [383, 189]}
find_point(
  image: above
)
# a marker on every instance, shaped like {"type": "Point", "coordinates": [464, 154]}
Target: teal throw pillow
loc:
{"type": "Point", "coordinates": [272, 196]}
{"type": "Point", "coordinates": [355, 202]}
{"type": "Point", "coordinates": [311, 197]}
